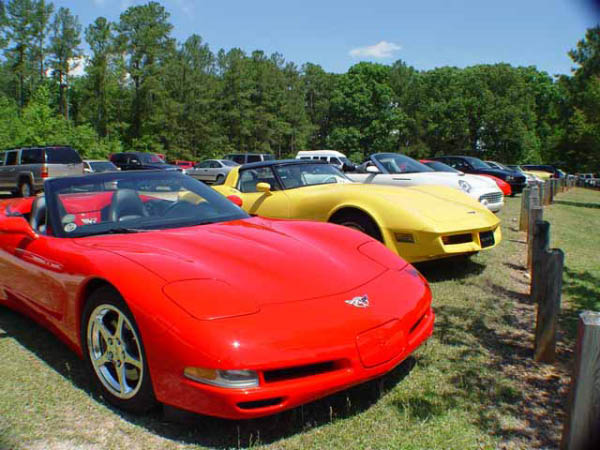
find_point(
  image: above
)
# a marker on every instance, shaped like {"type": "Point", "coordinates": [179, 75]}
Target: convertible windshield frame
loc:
{"type": "Point", "coordinates": [419, 167]}
{"type": "Point", "coordinates": [217, 208]}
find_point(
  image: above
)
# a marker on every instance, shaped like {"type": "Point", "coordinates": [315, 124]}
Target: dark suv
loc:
{"type": "Point", "coordinates": [470, 164]}
{"type": "Point", "coordinates": [140, 161]}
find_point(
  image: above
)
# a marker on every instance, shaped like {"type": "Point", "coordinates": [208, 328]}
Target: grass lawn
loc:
{"type": "Point", "coordinates": [473, 385]}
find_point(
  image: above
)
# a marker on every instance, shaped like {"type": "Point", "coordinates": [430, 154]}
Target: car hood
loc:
{"type": "Point", "coordinates": [268, 260]}
{"type": "Point", "coordinates": [437, 204]}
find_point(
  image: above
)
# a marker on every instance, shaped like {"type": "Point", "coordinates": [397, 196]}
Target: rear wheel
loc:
{"type": "Point", "coordinates": [359, 221]}
{"type": "Point", "coordinates": [25, 189]}
{"type": "Point", "coordinates": [220, 179]}
{"type": "Point", "coordinates": [114, 352]}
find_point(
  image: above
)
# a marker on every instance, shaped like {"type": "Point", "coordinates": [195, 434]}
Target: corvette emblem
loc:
{"type": "Point", "coordinates": [359, 302]}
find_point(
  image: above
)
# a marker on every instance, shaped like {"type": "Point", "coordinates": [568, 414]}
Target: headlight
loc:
{"type": "Point", "coordinates": [510, 178]}
{"type": "Point", "coordinates": [234, 379]}
{"type": "Point", "coordinates": [464, 185]}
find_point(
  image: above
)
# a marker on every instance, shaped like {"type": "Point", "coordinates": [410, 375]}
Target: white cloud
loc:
{"type": "Point", "coordinates": [99, 2]}
{"type": "Point", "coordinates": [77, 66]}
{"type": "Point", "coordinates": [382, 49]}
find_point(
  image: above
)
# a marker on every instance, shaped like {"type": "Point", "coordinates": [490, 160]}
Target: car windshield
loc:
{"type": "Point", "coordinates": [102, 166]}
{"type": "Point", "coordinates": [500, 166]}
{"type": "Point", "coordinates": [515, 168]}
{"type": "Point", "coordinates": [396, 163]}
{"type": "Point", "coordinates": [227, 162]}
{"type": "Point", "coordinates": [150, 158]}
{"type": "Point", "coordinates": [309, 174]}
{"type": "Point", "coordinates": [121, 202]}
{"type": "Point", "coordinates": [477, 163]}
{"type": "Point", "coordinates": [345, 160]}
{"type": "Point", "coordinates": [441, 167]}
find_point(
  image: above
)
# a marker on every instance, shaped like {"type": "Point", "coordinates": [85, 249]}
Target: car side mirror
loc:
{"type": "Point", "coordinates": [235, 200]}
{"type": "Point", "coordinates": [263, 187]}
{"type": "Point", "coordinates": [17, 225]}
{"type": "Point", "coordinates": [372, 169]}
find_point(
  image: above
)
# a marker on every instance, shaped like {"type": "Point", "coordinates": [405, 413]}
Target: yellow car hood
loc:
{"type": "Point", "coordinates": [438, 204]}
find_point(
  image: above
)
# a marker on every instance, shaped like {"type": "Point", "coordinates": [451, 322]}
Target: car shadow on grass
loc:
{"type": "Point", "coordinates": [181, 426]}
{"type": "Point", "coordinates": [455, 268]}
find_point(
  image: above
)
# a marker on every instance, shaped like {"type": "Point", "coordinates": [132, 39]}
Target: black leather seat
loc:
{"type": "Point", "coordinates": [37, 218]}
{"type": "Point", "coordinates": [126, 205]}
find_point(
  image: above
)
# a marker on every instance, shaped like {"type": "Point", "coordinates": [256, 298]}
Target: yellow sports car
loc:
{"type": "Point", "coordinates": [419, 223]}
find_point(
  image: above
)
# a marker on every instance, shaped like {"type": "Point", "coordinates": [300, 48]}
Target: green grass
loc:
{"type": "Point", "coordinates": [473, 385]}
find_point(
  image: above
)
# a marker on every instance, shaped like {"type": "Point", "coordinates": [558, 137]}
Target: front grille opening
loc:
{"type": "Point", "coordinates": [291, 373]}
{"type": "Point", "coordinates": [261, 403]}
{"type": "Point", "coordinates": [416, 325]}
{"type": "Point", "coordinates": [491, 198]}
{"type": "Point", "coordinates": [486, 238]}
{"type": "Point", "coordinates": [457, 239]}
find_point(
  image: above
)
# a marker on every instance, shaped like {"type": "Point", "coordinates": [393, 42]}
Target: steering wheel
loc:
{"type": "Point", "coordinates": [174, 206]}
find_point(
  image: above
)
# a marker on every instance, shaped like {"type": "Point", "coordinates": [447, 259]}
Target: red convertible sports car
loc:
{"type": "Point", "coordinates": [173, 294]}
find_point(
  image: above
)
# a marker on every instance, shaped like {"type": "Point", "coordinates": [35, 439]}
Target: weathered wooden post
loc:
{"type": "Point", "coordinates": [548, 305]}
{"type": "Point", "coordinates": [523, 219]}
{"type": "Point", "coordinates": [581, 430]}
{"type": "Point", "coordinates": [535, 214]}
{"type": "Point", "coordinates": [547, 193]}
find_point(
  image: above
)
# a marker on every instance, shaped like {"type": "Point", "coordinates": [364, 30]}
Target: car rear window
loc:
{"type": "Point", "coordinates": [32, 156]}
{"type": "Point", "coordinates": [253, 158]}
{"type": "Point", "coordinates": [62, 155]}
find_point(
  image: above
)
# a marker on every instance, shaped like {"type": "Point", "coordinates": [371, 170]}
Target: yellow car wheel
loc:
{"type": "Point", "coordinates": [358, 220]}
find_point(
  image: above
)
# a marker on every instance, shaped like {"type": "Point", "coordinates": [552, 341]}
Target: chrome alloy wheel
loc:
{"type": "Point", "coordinates": [115, 351]}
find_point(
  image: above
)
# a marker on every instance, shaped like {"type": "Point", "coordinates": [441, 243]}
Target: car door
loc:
{"type": "Point", "coordinates": [200, 171]}
{"type": "Point", "coordinates": [274, 204]}
{"type": "Point", "coordinates": [30, 271]}
{"type": "Point", "coordinates": [214, 170]}
{"type": "Point", "coordinates": [9, 171]}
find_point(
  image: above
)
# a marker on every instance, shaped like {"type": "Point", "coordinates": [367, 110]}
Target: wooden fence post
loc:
{"type": "Point", "coordinates": [547, 193]}
{"type": "Point", "coordinates": [535, 214]}
{"type": "Point", "coordinates": [548, 305]}
{"type": "Point", "coordinates": [581, 430]}
{"type": "Point", "coordinates": [523, 219]}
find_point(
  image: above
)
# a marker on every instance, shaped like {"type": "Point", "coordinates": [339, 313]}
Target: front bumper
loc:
{"type": "Point", "coordinates": [430, 245]}
{"type": "Point", "coordinates": [517, 187]}
{"type": "Point", "coordinates": [339, 346]}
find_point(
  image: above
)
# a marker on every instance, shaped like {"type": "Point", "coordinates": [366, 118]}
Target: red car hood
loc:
{"type": "Point", "coordinates": [271, 261]}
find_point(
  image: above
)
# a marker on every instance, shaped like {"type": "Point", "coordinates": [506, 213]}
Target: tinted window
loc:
{"type": "Point", "coordinates": [251, 177]}
{"type": "Point", "coordinates": [237, 158]}
{"type": "Point", "coordinates": [477, 163]}
{"type": "Point", "coordinates": [119, 158]}
{"type": "Point", "coordinates": [203, 165]}
{"type": "Point", "coordinates": [2, 156]}
{"type": "Point", "coordinates": [11, 158]}
{"type": "Point", "coordinates": [335, 161]}
{"type": "Point", "coordinates": [323, 158]}
{"type": "Point", "coordinates": [440, 167]}
{"type": "Point", "coordinates": [149, 158]}
{"type": "Point", "coordinates": [226, 162]}
{"type": "Point", "coordinates": [102, 166]}
{"type": "Point", "coordinates": [268, 157]}
{"type": "Point", "coordinates": [253, 158]}
{"type": "Point", "coordinates": [62, 155]}
{"type": "Point", "coordinates": [298, 175]}
{"type": "Point", "coordinates": [214, 165]}
{"type": "Point", "coordinates": [32, 156]}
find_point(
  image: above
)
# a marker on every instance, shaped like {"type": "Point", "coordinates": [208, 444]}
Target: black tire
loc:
{"type": "Point", "coordinates": [220, 179]}
{"type": "Point", "coordinates": [359, 221]}
{"type": "Point", "coordinates": [141, 398]}
{"type": "Point", "coordinates": [25, 189]}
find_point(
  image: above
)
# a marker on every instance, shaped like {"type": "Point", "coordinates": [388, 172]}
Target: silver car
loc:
{"type": "Point", "coordinates": [24, 170]}
{"type": "Point", "coordinates": [212, 170]}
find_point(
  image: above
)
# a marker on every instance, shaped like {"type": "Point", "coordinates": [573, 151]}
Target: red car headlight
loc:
{"type": "Point", "coordinates": [208, 299]}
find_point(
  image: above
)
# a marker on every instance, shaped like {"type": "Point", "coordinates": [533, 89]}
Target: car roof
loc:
{"type": "Point", "coordinates": [280, 162]}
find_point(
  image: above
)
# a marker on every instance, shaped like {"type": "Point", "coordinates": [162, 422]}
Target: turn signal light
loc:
{"type": "Point", "coordinates": [236, 379]}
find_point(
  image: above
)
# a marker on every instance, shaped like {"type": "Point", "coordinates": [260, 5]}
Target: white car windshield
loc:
{"type": "Point", "coordinates": [396, 163]}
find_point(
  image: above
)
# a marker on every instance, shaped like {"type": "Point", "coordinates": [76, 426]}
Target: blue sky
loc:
{"type": "Point", "coordinates": [339, 33]}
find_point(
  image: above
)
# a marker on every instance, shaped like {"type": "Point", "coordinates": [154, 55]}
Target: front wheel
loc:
{"type": "Point", "coordinates": [359, 221]}
{"type": "Point", "coordinates": [114, 352]}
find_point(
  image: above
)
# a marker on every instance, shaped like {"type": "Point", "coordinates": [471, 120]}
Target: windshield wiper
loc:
{"type": "Point", "coordinates": [116, 230]}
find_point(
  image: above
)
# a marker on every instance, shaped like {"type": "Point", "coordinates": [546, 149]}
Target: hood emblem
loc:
{"type": "Point", "coordinates": [359, 302]}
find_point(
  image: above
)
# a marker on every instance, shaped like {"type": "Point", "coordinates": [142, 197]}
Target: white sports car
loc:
{"type": "Point", "coordinates": [400, 170]}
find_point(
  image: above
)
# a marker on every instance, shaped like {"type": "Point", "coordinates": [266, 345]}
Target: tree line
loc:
{"type": "Point", "coordinates": [141, 89]}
